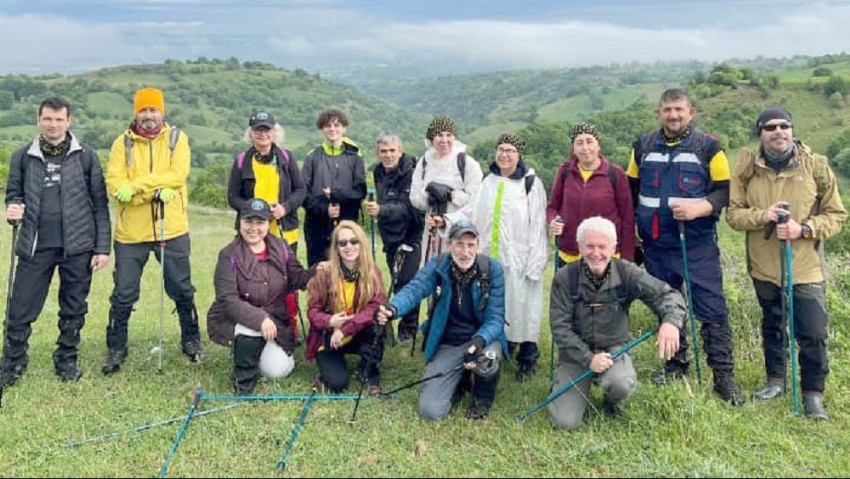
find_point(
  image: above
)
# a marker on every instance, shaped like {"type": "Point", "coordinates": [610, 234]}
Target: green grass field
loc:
{"type": "Point", "coordinates": [680, 430]}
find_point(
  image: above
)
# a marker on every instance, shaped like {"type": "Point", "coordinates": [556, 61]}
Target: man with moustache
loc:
{"type": "Point", "coordinates": [679, 178]}
{"type": "Point", "coordinates": [147, 172]}
{"type": "Point", "coordinates": [400, 224]}
{"type": "Point", "coordinates": [785, 179]}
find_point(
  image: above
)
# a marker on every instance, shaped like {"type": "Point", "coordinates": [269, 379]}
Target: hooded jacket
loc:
{"type": "Point", "coordinates": [152, 166]}
{"type": "Point", "coordinates": [755, 186]}
{"type": "Point", "coordinates": [247, 290]}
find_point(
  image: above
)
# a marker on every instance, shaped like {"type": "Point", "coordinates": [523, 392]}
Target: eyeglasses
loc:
{"type": "Point", "coordinates": [773, 127]}
{"type": "Point", "coordinates": [509, 151]}
{"type": "Point", "coordinates": [345, 242]}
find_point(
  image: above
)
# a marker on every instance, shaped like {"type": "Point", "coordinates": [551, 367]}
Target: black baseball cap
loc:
{"type": "Point", "coordinates": [261, 119]}
{"type": "Point", "coordinates": [256, 208]}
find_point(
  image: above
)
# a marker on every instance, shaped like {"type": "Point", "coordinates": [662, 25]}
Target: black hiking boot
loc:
{"type": "Point", "coordinates": [726, 388]}
{"type": "Point", "coordinates": [193, 350]}
{"type": "Point", "coordinates": [670, 372]}
{"type": "Point", "coordinates": [479, 409]}
{"type": "Point", "coordinates": [813, 405]}
{"type": "Point", "coordinates": [612, 408]}
{"type": "Point", "coordinates": [774, 388]}
{"type": "Point", "coordinates": [113, 361]}
{"type": "Point", "coordinates": [10, 375]}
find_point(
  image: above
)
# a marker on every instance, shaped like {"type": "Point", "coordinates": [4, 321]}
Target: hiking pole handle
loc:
{"type": "Point", "coordinates": [487, 356]}
{"type": "Point", "coordinates": [18, 200]}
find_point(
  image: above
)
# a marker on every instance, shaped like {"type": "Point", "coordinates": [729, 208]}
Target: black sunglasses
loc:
{"type": "Point", "coordinates": [345, 242]}
{"type": "Point", "coordinates": [781, 126]}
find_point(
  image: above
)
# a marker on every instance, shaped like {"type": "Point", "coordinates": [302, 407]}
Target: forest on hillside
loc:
{"type": "Point", "coordinates": [212, 98]}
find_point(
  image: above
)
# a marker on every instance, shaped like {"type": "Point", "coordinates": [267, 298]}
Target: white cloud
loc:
{"type": "Point", "coordinates": [297, 33]}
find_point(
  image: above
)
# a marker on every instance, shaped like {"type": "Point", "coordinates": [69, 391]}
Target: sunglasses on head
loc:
{"type": "Point", "coordinates": [781, 126]}
{"type": "Point", "coordinates": [345, 242]}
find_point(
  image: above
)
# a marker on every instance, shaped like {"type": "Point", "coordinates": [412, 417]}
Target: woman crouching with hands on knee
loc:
{"type": "Point", "coordinates": [253, 275]}
{"type": "Point", "coordinates": [342, 306]}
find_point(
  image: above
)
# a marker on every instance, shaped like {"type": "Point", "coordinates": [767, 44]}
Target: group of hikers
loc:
{"type": "Point", "coordinates": [474, 245]}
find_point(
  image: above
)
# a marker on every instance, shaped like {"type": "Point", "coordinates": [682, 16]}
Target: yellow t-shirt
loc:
{"type": "Point", "coordinates": [267, 187]}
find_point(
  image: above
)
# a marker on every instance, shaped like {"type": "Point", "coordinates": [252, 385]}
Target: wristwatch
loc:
{"type": "Point", "coordinates": [806, 231]}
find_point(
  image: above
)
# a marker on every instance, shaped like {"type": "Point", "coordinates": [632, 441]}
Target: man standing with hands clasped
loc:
{"type": "Point", "coordinates": [148, 168]}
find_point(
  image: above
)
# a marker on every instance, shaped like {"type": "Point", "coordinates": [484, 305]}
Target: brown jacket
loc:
{"type": "Point", "coordinates": [247, 290]}
{"type": "Point", "coordinates": [755, 186]}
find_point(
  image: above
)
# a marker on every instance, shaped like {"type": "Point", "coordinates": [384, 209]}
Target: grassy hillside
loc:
{"type": "Point", "coordinates": [681, 430]}
{"type": "Point", "coordinates": [210, 99]}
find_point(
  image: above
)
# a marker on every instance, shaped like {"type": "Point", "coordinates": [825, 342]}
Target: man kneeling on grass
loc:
{"type": "Point", "coordinates": [466, 324]}
{"type": "Point", "coordinates": [589, 313]}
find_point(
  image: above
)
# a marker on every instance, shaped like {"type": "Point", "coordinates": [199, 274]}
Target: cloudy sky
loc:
{"type": "Point", "coordinates": [41, 36]}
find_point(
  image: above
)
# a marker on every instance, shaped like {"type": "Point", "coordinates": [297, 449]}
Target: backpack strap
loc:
{"type": "Point", "coordinates": [574, 270]}
{"type": "Point", "coordinates": [173, 137]}
{"type": "Point", "coordinates": [461, 165]}
{"type": "Point", "coordinates": [529, 183]}
{"type": "Point", "coordinates": [483, 263]}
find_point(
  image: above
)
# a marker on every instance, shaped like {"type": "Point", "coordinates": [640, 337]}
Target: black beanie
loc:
{"type": "Point", "coordinates": [773, 113]}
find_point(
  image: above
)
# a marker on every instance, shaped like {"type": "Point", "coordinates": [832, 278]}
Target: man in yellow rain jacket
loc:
{"type": "Point", "coordinates": [148, 167]}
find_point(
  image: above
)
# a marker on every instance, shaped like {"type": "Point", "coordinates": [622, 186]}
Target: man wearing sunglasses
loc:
{"type": "Point", "coordinates": [784, 192]}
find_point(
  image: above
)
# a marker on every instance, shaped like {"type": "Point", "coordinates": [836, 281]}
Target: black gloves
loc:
{"type": "Point", "coordinates": [438, 193]}
{"type": "Point", "coordinates": [478, 344]}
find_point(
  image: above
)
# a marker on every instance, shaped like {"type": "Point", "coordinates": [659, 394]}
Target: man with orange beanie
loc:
{"type": "Point", "coordinates": [147, 172]}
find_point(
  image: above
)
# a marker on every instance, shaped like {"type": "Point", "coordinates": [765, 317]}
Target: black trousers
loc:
{"type": "Point", "coordinates": [32, 283]}
{"type": "Point", "coordinates": [810, 329]}
{"type": "Point", "coordinates": [334, 369]}
{"type": "Point", "coordinates": [407, 270]}
{"type": "Point", "coordinates": [130, 260]}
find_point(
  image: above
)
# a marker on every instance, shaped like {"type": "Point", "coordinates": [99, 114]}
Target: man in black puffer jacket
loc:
{"type": "Point", "coordinates": [56, 188]}
{"type": "Point", "coordinates": [400, 224]}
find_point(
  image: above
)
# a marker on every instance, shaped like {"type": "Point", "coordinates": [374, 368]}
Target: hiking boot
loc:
{"type": "Point", "coordinates": [114, 360]}
{"type": "Point", "coordinates": [68, 371]}
{"type": "Point", "coordinates": [404, 335]}
{"type": "Point", "coordinates": [813, 405]}
{"type": "Point", "coordinates": [8, 376]}
{"type": "Point", "coordinates": [193, 350]}
{"type": "Point", "coordinates": [774, 388]}
{"type": "Point", "coordinates": [668, 373]}
{"type": "Point", "coordinates": [613, 409]}
{"type": "Point", "coordinates": [727, 389]}
{"type": "Point", "coordinates": [479, 409]}
{"type": "Point", "coordinates": [524, 372]}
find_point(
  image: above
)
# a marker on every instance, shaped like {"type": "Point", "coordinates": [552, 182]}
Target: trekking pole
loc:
{"type": "Point", "coordinates": [557, 263]}
{"type": "Point", "coordinates": [487, 356]}
{"type": "Point", "coordinates": [16, 224]}
{"type": "Point", "coordinates": [432, 247]}
{"type": "Point", "coordinates": [282, 463]}
{"type": "Point", "coordinates": [180, 434]}
{"type": "Point", "coordinates": [161, 279]}
{"type": "Point", "coordinates": [364, 377]}
{"type": "Point", "coordinates": [789, 307]}
{"type": "Point", "coordinates": [145, 427]}
{"type": "Point", "coordinates": [400, 255]}
{"type": "Point", "coordinates": [372, 222]}
{"type": "Point", "coordinates": [586, 374]}
{"type": "Point", "coordinates": [689, 293]}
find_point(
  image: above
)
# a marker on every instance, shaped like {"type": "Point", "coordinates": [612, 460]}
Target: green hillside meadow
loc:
{"type": "Point", "coordinates": [678, 430]}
